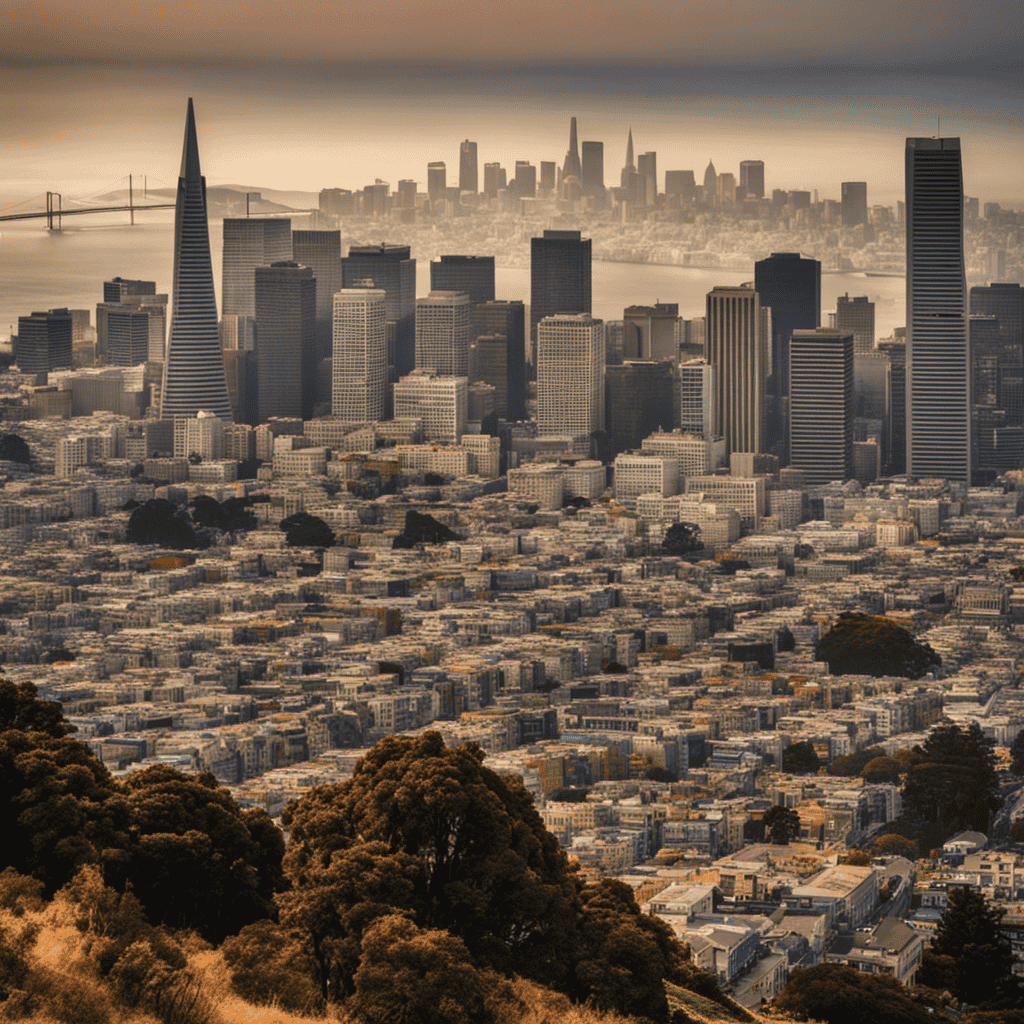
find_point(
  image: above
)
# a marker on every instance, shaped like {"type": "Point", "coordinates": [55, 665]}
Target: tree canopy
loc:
{"type": "Point", "coordinates": [1017, 754]}
{"type": "Point", "coordinates": [969, 955]}
{"type": "Point", "coordinates": [21, 709]}
{"type": "Point", "coordinates": [160, 521]}
{"type": "Point", "coordinates": [681, 539]}
{"type": "Point", "coordinates": [781, 824]}
{"type": "Point", "coordinates": [955, 784]}
{"type": "Point", "coordinates": [837, 994]}
{"type": "Point", "coordinates": [14, 449]}
{"type": "Point", "coordinates": [800, 758]}
{"type": "Point", "coordinates": [303, 530]}
{"type": "Point", "coordinates": [421, 528]}
{"type": "Point", "coordinates": [873, 645]}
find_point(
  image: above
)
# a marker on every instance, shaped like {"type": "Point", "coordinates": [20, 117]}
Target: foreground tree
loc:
{"type": "Point", "coordinates": [969, 955]}
{"type": "Point", "coordinates": [1017, 754]}
{"type": "Point", "coordinates": [836, 994]}
{"type": "Point", "coordinates": [21, 709]}
{"type": "Point", "coordinates": [489, 871]}
{"type": "Point", "coordinates": [955, 785]}
{"type": "Point", "coordinates": [873, 645]}
{"type": "Point", "coordinates": [303, 530]}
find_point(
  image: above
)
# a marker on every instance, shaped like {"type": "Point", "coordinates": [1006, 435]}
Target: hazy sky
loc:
{"type": "Point", "coordinates": [308, 95]}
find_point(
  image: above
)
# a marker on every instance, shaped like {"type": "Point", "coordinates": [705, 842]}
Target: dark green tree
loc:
{"type": "Point", "coordinates": [14, 449]}
{"type": "Point", "coordinates": [881, 769]}
{"type": "Point", "coordinates": [980, 961]}
{"type": "Point", "coordinates": [269, 964]}
{"type": "Point", "coordinates": [956, 784]}
{"type": "Point", "coordinates": [207, 511]}
{"type": "Point", "coordinates": [681, 539]}
{"type": "Point", "coordinates": [416, 976]}
{"type": "Point", "coordinates": [800, 758]}
{"type": "Point", "coordinates": [837, 994]}
{"type": "Point", "coordinates": [873, 645]}
{"type": "Point", "coordinates": [303, 530]}
{"type": "Point", "coordinates": [854, 764]}
{"type": "Point", "coordinates": [781, 824]}
{"type": "Point", "coordinates": [625, 957]}
{"type": "Point", "coordinates": [187, 829]}
{"type": "Point", "coordinates": [490, 872]}
{"type": "Point", "coordinates": [1017, 754]}
{"type": "Point", "coordinates": [161, 522]}
{"type": "Point", "coordinates": [21, 709]}
{"type": "Point", "coordinates": [658, 774]}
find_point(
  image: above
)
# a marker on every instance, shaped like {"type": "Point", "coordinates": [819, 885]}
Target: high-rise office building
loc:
{"type": "Point", "coordinates": [657, 326]}
{"type": "Point", "coordinates": [524, 184]}
{"type": "Point", "coordinates": [501, 359]}
{"type": "Point", "coordinates": [680, 187]}
{"type": "Point", "coordinates": [442, 334]}
{"type": "Point", "coordinates": [629, 167]}
{"type": "Point", "coordinates": [938, 370]}
{"type": "Point", "coordinates": [388, 267]}
{"type": "Point", "coordinates": [127, 336]}
{"type": "Point", "coordinates": [494, 179]}
{"type": "Point", "coordinates": [570, 378]}
{"type": "Point", "coordinates": [442, 403]}
{"type": "Point", "coordinates": [736, 346]}
{"type": "Point", "coordinates": [559, 276]}
{"type": "Point", "coordinates": [321, 252]}
{"type": "Point", "coordinates": [152, 306]}
{"type": "Point", "coordinates": [638, 401]}
{"type": "Point", "coordinates": [437, 180]}
{"type": "Point", "coordinates": [791, 286]}
{"type": "Point", "coordinates": [251, 242]}
{"type": "Point", "coordinates": [285, 340]}
{"type": "Point", "coordinates": [821, 404]}
{"type": "Point", "coordinates": [857, 315]}
{"type": "Point", "coordinates": [697, 402]}
{"type": "Point", "coordinates": [710, 184]}
{"type": "Point", "coordinates": [406, 194]}
{"type": "Point", "coordinates": [193, 376]}
{"type": "Point", "coordinates": [647, 169]}
{"type": "Point", "coordinates": [592, 167]}
{"type": "Point", "coordinates": [855, 203]}
{"type": "Point", "coordinates": [752, 179]}
{"type": "Point", "coordinates": [1006, 303]}
{"type": "Point", "coordinates": [571, 165]}
{"type": "Point", "coordinates": [359, 364]}
{"type": "Point", "coordinates": [473, 275]}
{"type": "Point", "coordinates": [44, 343]}
{"type": "Point", "coordinates": [120, 289]}
{"type": "Point", "coordinates": [468, 177]}
{"type": "Point", "coordinates": [548, 177]}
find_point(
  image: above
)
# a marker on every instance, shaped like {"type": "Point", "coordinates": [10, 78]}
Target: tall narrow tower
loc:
{"type": "Point", "coordinates": [194, 370]}
{"type": "Point", "coordinates": [571, 167]}
{"type": "Point", "coordinates": [938, 370]}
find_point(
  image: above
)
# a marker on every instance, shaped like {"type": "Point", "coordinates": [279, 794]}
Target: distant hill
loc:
{"type": "Point", "coordinates": [225, 200]}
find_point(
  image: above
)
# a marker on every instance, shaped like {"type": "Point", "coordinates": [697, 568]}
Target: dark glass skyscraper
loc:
{"type": "Point", "coordinates": [938, 372]}
{"type": "Point", "coordinates": [388, 267]}
{"type": "Point", "coordinates": [286, 340]}
{"type": "Point", "coordinates": [193, 376]}
{"type": "Point", "coordinates": [559, 275]}
{"type": "Point", "coordinates": [593, 169]}
{"type": "Point", "coordinates": [473, 275]}
{"type": "Point", "coordinates": [468, 177]}
{"type": "Point", "coordinates": [855, 203]}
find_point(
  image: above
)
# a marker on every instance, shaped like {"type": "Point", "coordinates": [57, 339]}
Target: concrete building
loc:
{"type": "Point", "coordinates": [440, 402]}
{"type": "Point", "coordinates": [359, 363]}
{"type": "Point", "coordinates": [644, 474]}
{"type": "Point", "coordinates": [442, 333]}
{"type": "Point", "coordinates": [251, 242]}
{"type": "Point", "coordinates": [559, 276]}
{"type": "Point", "coordinates": [570, 378]}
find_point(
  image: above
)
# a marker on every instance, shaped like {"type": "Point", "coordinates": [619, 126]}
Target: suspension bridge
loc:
{"type": "Point", "coordinates": [55, 211]}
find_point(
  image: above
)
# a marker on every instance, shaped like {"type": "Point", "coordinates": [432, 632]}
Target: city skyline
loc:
{"type": "Point", "coordinates": [332, 117]}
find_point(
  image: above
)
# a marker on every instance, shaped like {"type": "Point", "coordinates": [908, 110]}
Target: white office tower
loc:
{"type": "Point", "coordinates": [938, 368]}
{"type": "Point", "coordinates": [442, 333]}
{"type": "Point", "coordinates": [442, 403]}
{"type": "Point", "coordinates": [570, 378]}
{"type": "Point", "coordinates": [697, 398]}
{"type": "Point", "coordinates": [202, 434]}
{"type": "Point", "coordinates": [736, 345]}
{"type": "Point", "coordinates": [359, 362]}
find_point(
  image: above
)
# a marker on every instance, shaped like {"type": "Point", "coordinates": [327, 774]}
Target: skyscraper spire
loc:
{"type": "Point", "coordinates": [194, 365]}
{"type": "Point", "coordinates": [572, 156]}
{"type": "Point", "coordinates": [629, 150]}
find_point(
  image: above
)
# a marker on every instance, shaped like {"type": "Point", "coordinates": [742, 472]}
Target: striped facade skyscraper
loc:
{"type": "Point", "coordinates": [193, 376]}
{"type": "Point", "coordinates": [938, 367]}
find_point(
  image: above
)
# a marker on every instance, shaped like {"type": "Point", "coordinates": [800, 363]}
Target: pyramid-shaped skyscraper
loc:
{"type": "Point", "coordinates": [194, 367]}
